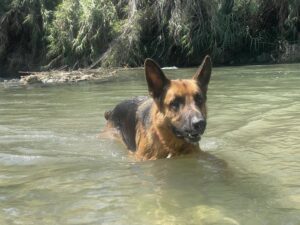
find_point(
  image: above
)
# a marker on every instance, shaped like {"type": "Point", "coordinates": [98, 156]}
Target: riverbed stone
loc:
{"type": "Point", "coordinates": [203, 214]}
{"type": "Point", "coordinates": [31, 79]}
{"type": "Point", "coordinates": [62, 77]}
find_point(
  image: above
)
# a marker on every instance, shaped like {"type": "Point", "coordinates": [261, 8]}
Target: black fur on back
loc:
{"type": "Point", "coordinates": [124, 118]}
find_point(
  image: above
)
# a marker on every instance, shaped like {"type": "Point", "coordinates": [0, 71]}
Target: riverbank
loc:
{"type": "Point", "coordinates": [75, 77]}
{"type": "Point", "coordinates": [56, 77]}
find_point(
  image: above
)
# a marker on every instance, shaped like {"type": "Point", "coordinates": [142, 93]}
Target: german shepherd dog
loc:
{"type": "Point", "coordinates": [171, 122]}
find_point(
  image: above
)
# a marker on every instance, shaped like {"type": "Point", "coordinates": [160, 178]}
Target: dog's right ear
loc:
{"type": "Point", "coordinates": [202, 75]}
{"type": "Point", "coordinates": [156, 79]}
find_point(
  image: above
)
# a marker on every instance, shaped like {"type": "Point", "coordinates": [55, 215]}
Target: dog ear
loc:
{"type": "Point", "coordinates": [156, 79]}
{"type": "Point", "coordinates": [202, 75]}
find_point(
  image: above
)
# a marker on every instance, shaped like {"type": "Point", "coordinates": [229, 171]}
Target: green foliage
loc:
{"type": "Point", "coordinates": [91, 33]}
{"type": "Point", "coordinates": [20, 32]}
{"type": "Point", "coordinates": [80, 32]}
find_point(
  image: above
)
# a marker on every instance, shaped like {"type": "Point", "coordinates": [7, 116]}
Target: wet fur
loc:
{"type": "Point", "coordinates": [145, 123]}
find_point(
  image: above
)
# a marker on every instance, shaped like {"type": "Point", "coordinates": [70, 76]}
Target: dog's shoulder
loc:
{"type": "Point", "coordinates": [143, 113]}
{"type": "Point", "coordinates": [125, 109]}
{"type": "Point", "coordinates": [124, 117]}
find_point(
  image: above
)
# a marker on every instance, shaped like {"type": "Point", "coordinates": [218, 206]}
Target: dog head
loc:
{"type": "Point", "coordinates": [181, 102]}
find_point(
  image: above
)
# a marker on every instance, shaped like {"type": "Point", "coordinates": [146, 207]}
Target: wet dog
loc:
{"type": "Point", "coordinates": [169, 123]}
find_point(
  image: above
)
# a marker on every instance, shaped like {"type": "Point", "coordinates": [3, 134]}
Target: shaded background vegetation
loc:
{"type": "Point", "coordinates": [72, 34]}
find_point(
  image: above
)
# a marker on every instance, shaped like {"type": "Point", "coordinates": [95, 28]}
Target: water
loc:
{"type": "Point", "coordinates": [54, 169]}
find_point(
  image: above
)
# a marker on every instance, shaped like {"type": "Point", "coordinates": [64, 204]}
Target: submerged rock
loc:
{"type": "Point", "coordinates": [203, 214]}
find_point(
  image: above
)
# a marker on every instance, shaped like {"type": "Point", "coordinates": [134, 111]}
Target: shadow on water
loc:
{"type": "Point", "coordinates": [189, 190]}
{"type": "Point", "coordinates": [203, 190]}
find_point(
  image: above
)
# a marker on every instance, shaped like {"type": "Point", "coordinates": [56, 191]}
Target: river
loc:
{"type": "Point", "coordinates": [55, 169]}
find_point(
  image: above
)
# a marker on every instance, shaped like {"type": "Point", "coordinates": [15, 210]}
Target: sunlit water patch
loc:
{"type": "Point", "coordinates": [55, 169]}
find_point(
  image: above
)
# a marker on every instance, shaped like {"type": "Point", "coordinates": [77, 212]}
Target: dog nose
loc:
{"type": "Point", "coordinates": [199, 125]}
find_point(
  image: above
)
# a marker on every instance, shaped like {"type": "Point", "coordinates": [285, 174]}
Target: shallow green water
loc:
{"type": "Point", "coordinates": [55, 170]}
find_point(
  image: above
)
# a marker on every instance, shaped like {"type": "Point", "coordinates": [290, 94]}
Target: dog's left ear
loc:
{"type": "Point", "coordinates": [156, 79]}
{"type": "Point", "coordinates": [202, 75]}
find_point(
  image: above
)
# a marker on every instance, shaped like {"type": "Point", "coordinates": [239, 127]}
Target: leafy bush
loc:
{"type": "Point", "coordinates": [90, 33]}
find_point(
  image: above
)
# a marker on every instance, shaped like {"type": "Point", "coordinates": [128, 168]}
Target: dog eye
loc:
{"type": "Point", "coordinates": [175, 104]}
{"type": "Point", "coordinates": [198, 99]}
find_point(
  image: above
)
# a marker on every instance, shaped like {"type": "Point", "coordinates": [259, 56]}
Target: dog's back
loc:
{"type": "Point", "coordinates": [124, 118]}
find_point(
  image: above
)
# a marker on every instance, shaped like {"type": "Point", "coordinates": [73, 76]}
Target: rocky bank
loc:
{"type": "Point", "coordinates": [62, 77]}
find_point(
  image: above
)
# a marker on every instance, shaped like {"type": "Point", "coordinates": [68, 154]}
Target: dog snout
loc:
{"type": "Point", "coordinates": [198, 125]}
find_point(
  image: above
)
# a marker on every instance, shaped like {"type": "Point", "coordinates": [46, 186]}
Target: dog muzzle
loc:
{"type": "Point", "coordinates": [191, 137]}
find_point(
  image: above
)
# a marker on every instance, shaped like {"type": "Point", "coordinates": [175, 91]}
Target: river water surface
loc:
{"type": "Point", "coordinates": [54, 169]}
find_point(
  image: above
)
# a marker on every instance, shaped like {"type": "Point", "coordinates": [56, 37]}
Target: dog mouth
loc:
{"type": "Point", "coordinates": [189, 137]}
{"type": "Point", "coordinates": [192, 138]}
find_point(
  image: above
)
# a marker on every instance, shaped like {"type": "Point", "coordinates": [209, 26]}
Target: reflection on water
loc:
{"type": "Point", "coordinates": [54, 169]}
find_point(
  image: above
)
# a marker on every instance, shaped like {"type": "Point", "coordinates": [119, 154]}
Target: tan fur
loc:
{"type": "Point", "coordinates": [178, 111]}
{"type": "Point", "coordinates": [159, 141]}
